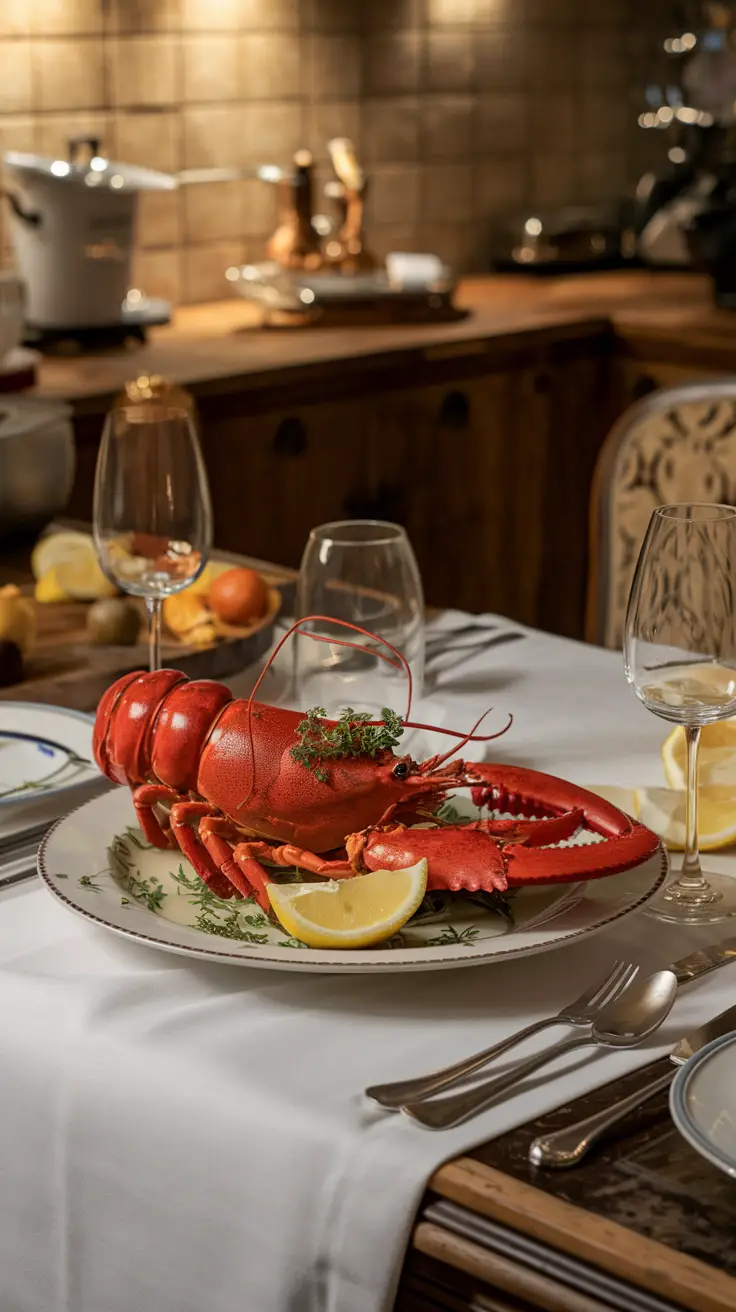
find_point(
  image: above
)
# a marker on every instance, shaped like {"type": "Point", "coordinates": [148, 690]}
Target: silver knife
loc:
{"type": "Point", "coordinates": [569, 1146]}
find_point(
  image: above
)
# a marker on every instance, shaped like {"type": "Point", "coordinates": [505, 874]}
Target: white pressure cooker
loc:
{"type": "Point", "coordinates": [73, 225]}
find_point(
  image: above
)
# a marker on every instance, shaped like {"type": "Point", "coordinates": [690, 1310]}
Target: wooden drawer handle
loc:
{"type": "Point", "coordinates": [643, 385]}
{"type": "Point", "coordinates": [290, 439]}
{"type": "Point", "coordinates": [455, 411]}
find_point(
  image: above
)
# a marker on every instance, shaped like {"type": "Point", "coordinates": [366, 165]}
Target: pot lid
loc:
{"type": "Point", "coordinates": [98, 171]}
{"type": "Point", "coordinates": [19, 418]}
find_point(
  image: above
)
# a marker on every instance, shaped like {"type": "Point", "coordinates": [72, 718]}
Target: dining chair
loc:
{"type": "Point", "coordinates": [678, 444]}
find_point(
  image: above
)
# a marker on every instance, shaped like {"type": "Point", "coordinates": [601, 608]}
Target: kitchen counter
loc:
{"type": "Point", "coordinates": [217, 346]}
{"type": "Point", "coordinates": [480, 435]}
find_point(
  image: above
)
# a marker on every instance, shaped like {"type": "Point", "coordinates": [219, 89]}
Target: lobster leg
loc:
{"type": "Point", "coordinates": [183, 813]}
{"type": "Point", "coordinates": [247, 857]}
{"type": "Point", "coordinates": [145, 799]}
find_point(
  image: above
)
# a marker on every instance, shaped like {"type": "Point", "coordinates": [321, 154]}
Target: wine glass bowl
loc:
{"type": "Point", "coordinates": [362, 572]}
{"type": "Point", "coordinates": [680, 659]}
{"type": "Point", "coordinates": [152, 517]}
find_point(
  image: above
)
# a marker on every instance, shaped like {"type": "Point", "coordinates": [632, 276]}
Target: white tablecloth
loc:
{"type": "Point", "coordinates": [177, 1136]}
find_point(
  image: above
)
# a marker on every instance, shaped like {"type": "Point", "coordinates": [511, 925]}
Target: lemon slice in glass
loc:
{"type": "Point", "coordinates": [350, 913]}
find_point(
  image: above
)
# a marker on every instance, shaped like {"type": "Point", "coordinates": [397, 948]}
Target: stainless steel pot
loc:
{"type": "Point", "coordinates": [73, 226]}
{"type": "Point", "coordinates": [37, 462]}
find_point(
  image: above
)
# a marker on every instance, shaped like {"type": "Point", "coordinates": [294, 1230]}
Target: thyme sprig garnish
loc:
{"type": "Point", "coordinates": [354, 734]}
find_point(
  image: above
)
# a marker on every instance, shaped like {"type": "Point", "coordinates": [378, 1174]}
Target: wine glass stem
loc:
{"type": "Point", "coordinates": [691, 876]}
{"type": "Point", "coordinates": [153, 607]}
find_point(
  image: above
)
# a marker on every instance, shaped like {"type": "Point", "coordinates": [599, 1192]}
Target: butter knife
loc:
{"type": "Point", "coordinates": [569, 1146]}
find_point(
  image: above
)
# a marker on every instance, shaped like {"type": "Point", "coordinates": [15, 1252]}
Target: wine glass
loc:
{"type": "Point", "coordinates": [680, 659]}
{"type": "Point", "coordinates": [365, 572]}
{"type": "Point", "coordinates": [152, 517]}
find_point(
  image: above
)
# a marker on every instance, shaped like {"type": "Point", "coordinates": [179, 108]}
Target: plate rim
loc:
{"type": "Point", "coordinates": [349, 963]}
{"type": "Point", "coordinates": [681, 1116]}
{"type": "Point", "coordinates": [16, 799]}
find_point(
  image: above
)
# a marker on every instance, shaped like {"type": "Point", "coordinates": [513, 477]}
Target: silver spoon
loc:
{"type": "Point", "coordinates": [622, 1024]}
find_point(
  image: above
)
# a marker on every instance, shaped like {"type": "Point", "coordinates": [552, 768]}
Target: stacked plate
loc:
{"type": "Point", "coordinates": [46, 769]}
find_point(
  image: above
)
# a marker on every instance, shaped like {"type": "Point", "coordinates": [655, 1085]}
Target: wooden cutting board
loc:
{"type": "Point", "coordinates": [65, 669]}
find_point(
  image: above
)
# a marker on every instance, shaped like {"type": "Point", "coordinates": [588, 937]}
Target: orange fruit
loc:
{"type": "Point", "coordinates": [239, 596]}
{"type": "Point", "coordinates": [184, 612]}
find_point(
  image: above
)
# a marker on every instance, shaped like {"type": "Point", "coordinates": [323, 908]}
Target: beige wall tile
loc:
{"type": "Point", "coordinates": [605, 121]}
{"type": "Point", "coordinates": [159, 218]}
{"type": "Point", "coordinates": [500, 186]}
{"type": "Point", "coordinates": [18, 132]}
{"type": "Point", "coordinates": [16, 83]}
{"type": "Point", "coordinates": [501, 60]}
{"type": "Point", "coordinates": [391, 63]}
{"type": "Point", "coordinates": [213, 211]}
{"type": "Point", "coordinates": [270, 15]}
{"type": "Point", "coordinates": [64, 17]}
{"type": "Point", "coordinates": [332, 66]}
{"type": "Point", "coordinates": [332, 15]}
{"type": "Point", "coordinates": [446, 192]}
{"type": "Point", "coordinates": [214, 135]}
{"type": "Point", "coordinates": [152, 140]}
{"type": "Point", "coordinates": [391, 130]}
{"type": "Point", "coordinates": [204, 269]}
{"type": "Point", "coordinates": [326, 119]}
{"type": "Point", "coordinates": [383, 15]}
{"type": "Point", "coordinates": [603, 176]}
{"type": "Point", "coordinates": [130, 16]}
{"type": "Point", "coordinates": [158, 273]}
{"type": "Point", "coordinates": [143, 71]}
{"type": "Point", "coordinates": [453, 13]}
{"type": "Point", "coordinates": [386, 237]}
{"type": "Point", "coordinates": [211, 68]}
{"type": "Point", "coordinates": [553, 180]}
{"type": "Point", "coordinates": [453, 242]}
{"type": "Point", "coordinates": [393, 196]}
{"type": "Point", "coordinates": [270, 66]}
{"type": "Point", "coordinates": [15, 18]}
{"type": "Point", "coordinates": [69, 73]}
{"type": "Point", "coordinates": [501, 121]}
{"type": "Point", "coordinates": [604, 58]}
{"type": "Point", "coordinates": [259, 210]}
{"type": "Point", "coordinates": [273, 132]}
{"type": "Point", "coordinates": [447, 127]}
{"type": "Point", "coordinates": [54, 130]}
{"type": "Point", "coordinates": [449, 61]}
{"type": "Point", "coordinates": [554, 121]}
{"type": "Point", "coordinates": [554, 58]}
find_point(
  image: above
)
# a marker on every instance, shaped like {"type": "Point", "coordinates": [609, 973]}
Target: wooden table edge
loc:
{"type": "Point", "coordinates": [582, 1234]}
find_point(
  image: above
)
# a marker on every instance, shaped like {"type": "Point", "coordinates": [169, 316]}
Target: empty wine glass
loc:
{"type": "Point", "coordinates": [365, 572]}
{"type": "Point", "coordinates": [680, 659]}
{"type": "Point", "coordinates": [152, 518]}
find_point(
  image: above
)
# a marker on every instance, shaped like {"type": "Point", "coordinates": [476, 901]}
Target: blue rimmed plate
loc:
{"type": "Point", "coordinates": [46, 762]}
{"type": "Point", "coordinates": [703, 1102]}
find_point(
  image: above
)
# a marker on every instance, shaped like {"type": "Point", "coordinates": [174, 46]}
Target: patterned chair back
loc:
{"type": "Point", "coordinates": [678, 444]}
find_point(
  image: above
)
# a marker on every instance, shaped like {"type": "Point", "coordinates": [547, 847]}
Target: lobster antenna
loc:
{"type": "Point", "coordinates": [467, 738]}
{"type": "Point", "coordinates": [401, 663]}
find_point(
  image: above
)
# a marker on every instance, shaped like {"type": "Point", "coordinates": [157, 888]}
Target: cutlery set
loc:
{"type": "Point", "coordinates": [619, 1011]}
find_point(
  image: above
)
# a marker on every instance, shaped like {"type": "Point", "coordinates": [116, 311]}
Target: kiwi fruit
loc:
{"type": "Point", "coordinates": [114, 622]}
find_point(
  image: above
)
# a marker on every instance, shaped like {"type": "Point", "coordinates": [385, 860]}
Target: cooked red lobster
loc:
{"type": "Point", "coordinates": [230, 783]}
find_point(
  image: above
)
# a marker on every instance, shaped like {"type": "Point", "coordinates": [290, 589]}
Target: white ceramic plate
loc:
{"type": "Point", "coordinates": [96, 862]}
{"type": "Point", "coordinates": [45, 757]}
{"type": "Point", "coordinates": [703, 1102]}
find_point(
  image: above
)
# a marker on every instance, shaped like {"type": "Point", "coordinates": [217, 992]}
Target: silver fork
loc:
{"type": "Point", "coordinates": [582, 1011]}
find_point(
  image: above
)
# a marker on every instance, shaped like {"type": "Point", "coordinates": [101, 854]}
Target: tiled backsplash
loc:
{"type": "Point", "coordinates": [464, 111]}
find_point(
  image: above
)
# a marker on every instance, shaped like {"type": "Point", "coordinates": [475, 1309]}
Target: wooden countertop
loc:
{"type": "Point", "coordinates": [219, 346]}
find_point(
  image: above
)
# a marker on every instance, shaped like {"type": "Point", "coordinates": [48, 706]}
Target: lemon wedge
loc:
{"type": "Point", "coordinates": [81, 577]}
{"type": "Point", "coordinates": [48, 587]}
{"type": "Point", "coordinates": [49, 551]}
{"type": "Point", "coordinates": [716, 758]}
{"type": "Point", "coordinates": [350, 913]}
{"type": "Point", "coordinates": [663, 810]}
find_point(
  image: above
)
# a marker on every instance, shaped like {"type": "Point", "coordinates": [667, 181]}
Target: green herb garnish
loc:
{"type": "Point", "coordinates": [352, 735]}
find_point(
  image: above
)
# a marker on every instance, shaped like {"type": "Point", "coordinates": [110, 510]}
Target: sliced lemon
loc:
{"type": "Point", "coordinates": [716, 758]}
{"type": "Point", "coordinates": [57, 547]}
{"type": "Point", "coordinates": [48, 587]}
{"type": "Point", "coordinates": [623, 798]}
{"type": "Point", "coordinates": [350, 913]}
{"type": "Point", "coordinates": [663, 810]}
{"type": "Point", "coordinates": [82, 578]}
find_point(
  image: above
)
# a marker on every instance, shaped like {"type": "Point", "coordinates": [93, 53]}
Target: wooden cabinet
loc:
{"type": "Point", "coordinates": [485, 458]}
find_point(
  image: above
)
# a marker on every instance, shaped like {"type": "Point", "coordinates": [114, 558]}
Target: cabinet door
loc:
{"type": "Point", "coordinates": [275, 476]}
{"type": "Point", "coordinates": [465, 465]}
